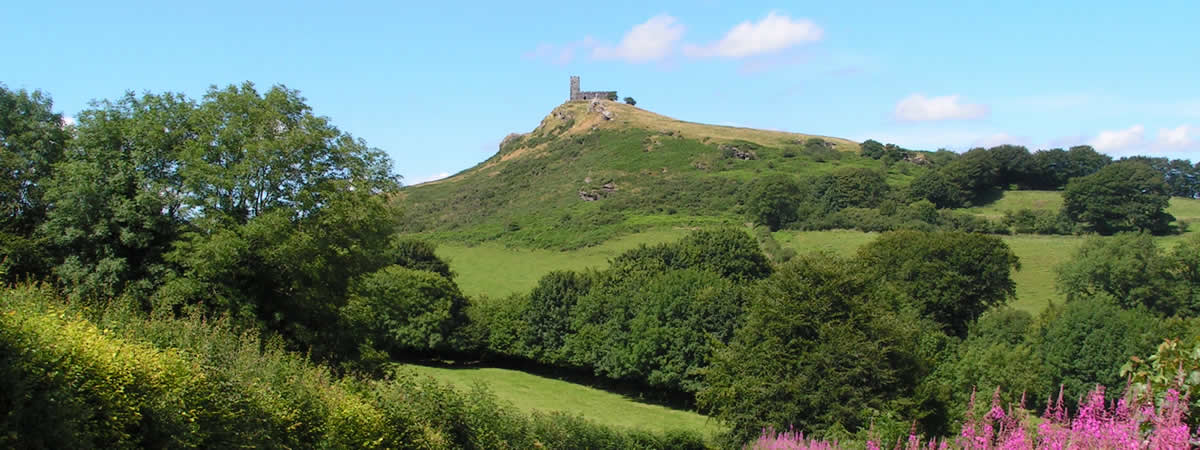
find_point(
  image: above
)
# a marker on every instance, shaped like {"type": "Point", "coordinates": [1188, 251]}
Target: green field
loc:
{"type": "Point", "coordinates": [534, 393]}
{"type": "Point", "coordinates": [497, 271]}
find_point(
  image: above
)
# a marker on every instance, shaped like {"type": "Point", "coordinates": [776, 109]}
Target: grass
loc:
{"type": "Point", "coordinates": [497, 271]}
{"type": "Point", "coordinates": [1015, 200]}
{"type": "Point", "coordinates": [534, 393]}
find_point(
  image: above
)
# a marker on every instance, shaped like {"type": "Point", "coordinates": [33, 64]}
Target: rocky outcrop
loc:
{"type": "Point", "coordinates": [730, 151]}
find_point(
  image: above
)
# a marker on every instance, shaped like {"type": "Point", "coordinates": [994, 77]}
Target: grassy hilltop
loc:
{"type": "Point", "coordinates": [579, 179]}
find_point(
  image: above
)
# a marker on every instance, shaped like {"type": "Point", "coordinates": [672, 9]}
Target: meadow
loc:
{"type": "Point", "coordinates": [529, 393]}
{"type": "Point", "coordinates": [495, 270]}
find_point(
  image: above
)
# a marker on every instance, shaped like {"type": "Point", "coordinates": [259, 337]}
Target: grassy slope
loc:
{"type": "Point", "coordinates": [531, 392]}
{"type": "Point", "coordinates": [659, 172]}
{"type": "Point", "coordinates": [496, 271]}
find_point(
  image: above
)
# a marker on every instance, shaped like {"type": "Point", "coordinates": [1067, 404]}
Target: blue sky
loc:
{"type": "Point", "coordinates": [438, 84]}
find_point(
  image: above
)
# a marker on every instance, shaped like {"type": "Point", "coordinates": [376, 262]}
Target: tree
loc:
{"type": "Point", "coordinates": [871, 149]}
{"type": "Point", "coordinates": [118, 196]}
{"type": "Point", "coordinates": [1133, 271]}
{"type": "Point", "coordinates": [32, 140]}
{"type": "Point", "coordinates": [772, 201]}
{"type": "Point", "coordinates": [818, 347]}
{"type": "Point", "coordinates": [951, 277]}
{"type": "Point", "coordinates": [612, 96]}
{"type": "Point", "coordinates": [548, 316]}
{"type": "Point", "coordinates": [938, 188]}
{"type": "Point", "coordinates": [399, 310]}
{"type": "Point", "coordinates": [850, 187]}
{"type": "Point", "coordinates": [1128, 196]}
{"type": "Point", "coordinates": [1085, 342]}
{"type": "Point", "coordinates": [630, 101]}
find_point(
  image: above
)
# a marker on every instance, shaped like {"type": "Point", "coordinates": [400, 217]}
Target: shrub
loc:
{"type": "Point", "coordinates": [403, 310]}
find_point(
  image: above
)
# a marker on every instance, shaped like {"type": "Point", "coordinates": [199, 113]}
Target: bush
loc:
{"type": "Point", "coordinates": [398, 310]}
{"type": "Point", "coordinates": [951, 277]}
{"type": "Point", "coordinates": [818, 350]}
{"type": "Point", "coordinates": [66, 383]}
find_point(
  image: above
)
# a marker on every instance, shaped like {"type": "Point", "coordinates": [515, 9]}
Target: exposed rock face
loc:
{"type": "Point", "coordinates": [591, 195]}
{"type": "Point", "coordinates": [597, 106]}
{"type": "Point", "coordinates": [916, 158]}
{"type": "Point", "coordinates": [733, 152]}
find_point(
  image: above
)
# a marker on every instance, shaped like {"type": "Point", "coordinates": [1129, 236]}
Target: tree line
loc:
{"type": "Point", "coordinates": [1100, 195]}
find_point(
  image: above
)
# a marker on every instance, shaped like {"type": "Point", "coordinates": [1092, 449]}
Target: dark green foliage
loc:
{"type": "Point", "coordinates": [952, 277]}
{"type": "Point", "coordinates": [1085, 342]}
{"type": "Point", "coordinates": [727, 251]}
{"type": "Point", "coordinates": [548, 314]}
{"type": "Point", "coordinates": [398, 310]}
{"type": "Point", "coordinates": [1127, 196]}
{"type": "Point", "coordinates": [630, 101]}
{"type": "Point", "coordinates": [1182, 178]}
{"type": "Point", "coordinates": [817, 349]}
{"type": "Point", "coordinates": [419, 255]}
{"type": "Point", "coordinates": [996, 354]}
{"type": "Point", "coordinates": [655, 327]}
{"type": "Point", "coordinates": [772, 201]}
{"type": "Point", "coordinates": [32, 140]}
{"type": "Point", "coordinates": [1039, 221]}
{"type": "Point", "coordinates": [1132, 270]}
{"type": "Point", "coordinates": [871, 148]}
{"type": "Point", "coordinates": [937, 188]}
{"type": "Point", "coordinates": [850, 187]}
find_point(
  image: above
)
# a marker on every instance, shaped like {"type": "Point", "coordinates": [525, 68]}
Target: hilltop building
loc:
{"type": "Point", "coordinates": [588, 95]}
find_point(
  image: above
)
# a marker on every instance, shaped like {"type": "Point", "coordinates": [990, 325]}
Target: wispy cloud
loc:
{"type": "Point", "coordinates": [649, 41]}
{"type": "Point", "coordinates": [918, 108]}
{"type": "Point", "coordinates": [428, 178]}
{"type": "Point", "coordinates": [773, 33]}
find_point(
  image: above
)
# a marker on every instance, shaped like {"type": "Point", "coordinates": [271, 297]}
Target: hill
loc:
{"type": "Point", "coordinates": [587, 174]}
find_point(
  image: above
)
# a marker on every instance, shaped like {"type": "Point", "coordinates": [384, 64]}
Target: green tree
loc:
{"type": "Point", "coordinates": [817, 349]}
{"type": "Point", "coordinates": [850, 187]}
{"type": "Point", "coordinates": [32, 139]}
{"type": "Point", "coordinates": [1133, 271]}
{"type": "Point", "coordinates": [399, 310]}
{"type": "Point", "coordinates": [772, 200]}
{"type": "Point", "coordinates": [117, 196]}
{"type": "Point", "coordinates": [1127, 196]}
{"type": "Point", "coordinates": [548, 316]}
{"type": "Point", "coordinates": [1085, 342]}
{"type": "Point", "coordinates": [255, 152]}
{"type": "Point", "coordinates": [938, 188]}
{"type": "Point", "coordinates": [952, 277]}
{"type": "Point", "coordinates": [630, 101]}
{"type": "Point", "coordinates": [871, 149]}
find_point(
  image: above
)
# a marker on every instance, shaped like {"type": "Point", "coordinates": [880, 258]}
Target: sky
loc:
{"type": "Point", "coordinates": [438, 84]}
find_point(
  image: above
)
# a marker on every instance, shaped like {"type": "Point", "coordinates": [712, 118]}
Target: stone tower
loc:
{"type": "Point", "coordinates": [576, 94]}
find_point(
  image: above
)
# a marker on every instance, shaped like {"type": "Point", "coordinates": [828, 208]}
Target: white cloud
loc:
{"type": "Point", "coordinates": [429, 178]}
{"type": "Point", "coordinates": [773, 33]}
{"type": "Point", "coordinates": [646, 42]}
{"type": "Point", "coordinates": [1181, 136]}
{"type": "Point", "coordinates": [68, 120]}
{"type": "Point", "coordinates": [1116, 140]}
{"type": "Point", "coordinates": [996, 139]}
{"type": "Point", "coordinates": [918, 107]}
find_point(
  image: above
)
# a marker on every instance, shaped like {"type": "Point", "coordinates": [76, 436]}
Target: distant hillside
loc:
{"type": "Point", "coordinates": [587, 174]}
